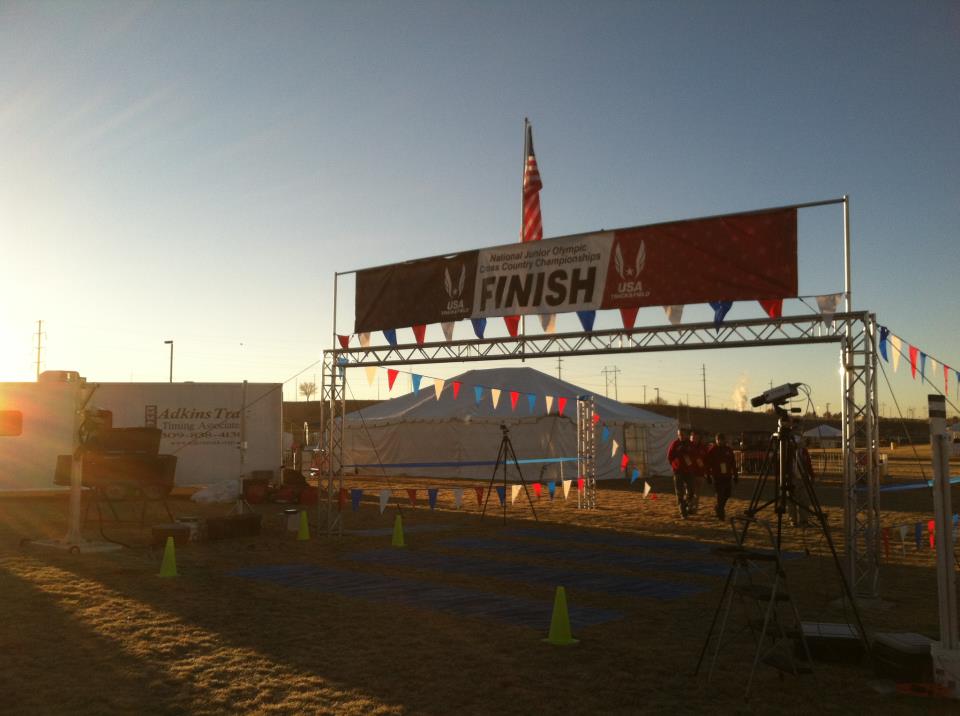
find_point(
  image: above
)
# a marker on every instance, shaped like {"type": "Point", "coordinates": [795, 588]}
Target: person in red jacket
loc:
{"type": "Point", "coordinates": [681, 463]}
{"type": "Point", "coordinates": [698, 453]}
{"type": "Point", "coordinates": [722, 472]}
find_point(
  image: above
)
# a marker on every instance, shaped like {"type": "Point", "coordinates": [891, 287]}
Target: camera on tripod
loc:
{"type": "Point", "coordinates": [776, 396]}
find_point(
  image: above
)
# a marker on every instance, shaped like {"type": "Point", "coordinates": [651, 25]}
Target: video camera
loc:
{"type": "Point", "coordinates": [776, 396]}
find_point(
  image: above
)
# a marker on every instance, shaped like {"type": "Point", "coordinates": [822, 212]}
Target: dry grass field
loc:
{"type": "Point", "coordinates": [451, 624]}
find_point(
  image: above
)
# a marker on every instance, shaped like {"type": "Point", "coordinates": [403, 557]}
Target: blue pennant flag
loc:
{"type": "Point", "coordinates": [355, 496]}
{"type": "Point", "coordinates": [586, 319]}
{"type": "Point", "coordinates": [606, 433]}
{"type": "Point", "coordinates": [432, 496]}
{"type": "Point", "coordinates": [531, 401]}
{"type": "Point", "coordinates": [391, 335]}
{"type": "Point", "coordinates": [923, 363]}
{"type": "Point", "coordinates": [884, 332]}
{"type": "Point", "coordinates": [477, 394]}
{"type": "Point", "coordinates": [635, 475]}
{"type": "Point", "coordinates": [918, 534]}
{"type": "Point", "coordinates": [415, 380]}
{"type": "Point", "coordinates": [720, 309]}
{"type": "Point", "coordinates": [502, 494]}
{"type": "Point", "coordinates": [479, 326]}
{"type": "Point", "coordinates": [551, 488]}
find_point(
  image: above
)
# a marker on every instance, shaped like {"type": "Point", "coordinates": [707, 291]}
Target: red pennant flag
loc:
{"type": "Point", "coordinates": [913, 361]}
{"type": "Point", "coordinates": [479, 491]}
{"type": "Point", "coordinates": [343, 498]}
{"type": "Point", "coordinates": [653, 496]}
{"type": "Point", "coordinates": [629, 317]}
{"type": "Point", "coordinates": [419, 333]}
{"type": "Point", "coordinates": [537, 489]}
{"type": "Point", "coordinates": [561, 404]}
{"type": "Point", "coordinates": [344, 341]}
{"type": "Point", "coordinates": [623, 461]}
{"type": "Point", "coordinates": [596, 418]}
{"type": "Point", "coordinates": [391, 377]}
{"type": "Point", "coordinates": [886, 541]}
{"type": "Point", "coordinates": [514, 395]}
{"type": "Point", "coordinates": [773, 307]}
{"type": "Point", "coordinates": [412, 494]}
{"type": "Point", "coordinates": [580, 484]}
{"type": "Point", "coordinates": [931, 527]}
{"type": "Point", "coordinates": [456, 389]}
{"type": "Point", "coordinates": [513, 324]}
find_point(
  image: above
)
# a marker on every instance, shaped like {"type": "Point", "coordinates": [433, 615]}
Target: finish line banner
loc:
{"type": "Point", "coordinates": [736, 257]}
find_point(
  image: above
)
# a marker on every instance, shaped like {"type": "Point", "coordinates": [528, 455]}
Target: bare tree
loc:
{"type": "Point", "coordinates": [308, 389]}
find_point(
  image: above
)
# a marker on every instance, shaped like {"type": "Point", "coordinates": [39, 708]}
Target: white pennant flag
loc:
{"type": "Point", "coordinates": [566, 488]}
{"type": "Point", "coordinates": [646, 489]}
{"type": "Point", "coordinates": [614, 447]}
{"type": "Point", "coordinates": [933, 364]}
{"type": "Point", "coordinates": [549, 399]}
{"type": "Point", "coordinates": [549, 322]}
{"type": "Point", "coordinates": [384, 499]}
{"type": "Point", "coordinates": [438, 384]}
{"type": "Point", "coordinates": [447, 329]}
{"type": "Point", "coordinates": [674, 314]}
{"type": "Point", "coordinates": [514, 491]}
{"type": "Point", "coordinates": [364, 339]}
{"type": "Point", "coordinates": [457, 497]}
{"type": "Point", "coordinates": [371, 371]}
{"type": "Point", "coordinates": [896, 345]}
{"type": "Point", "coordinates": [495, 396]}
{"type": "Point", "coordinates": [828, 306]}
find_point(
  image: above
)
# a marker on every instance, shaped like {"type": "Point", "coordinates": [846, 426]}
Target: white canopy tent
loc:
{"type": "Point", "coordinates": [825, 435]}
{"type": "Point", "coordinates": [419, 434]}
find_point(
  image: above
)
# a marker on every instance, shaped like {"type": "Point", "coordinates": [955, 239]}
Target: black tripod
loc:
{"type": "Point", "coordinates": [506, 449]}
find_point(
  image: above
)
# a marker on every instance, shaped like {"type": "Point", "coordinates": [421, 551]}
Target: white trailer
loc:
{"type": "Point", "coordinates": [201, 424]}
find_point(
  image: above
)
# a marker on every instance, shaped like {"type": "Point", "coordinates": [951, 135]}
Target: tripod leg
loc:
{"type": "Point", "coordinates": [501, 456]}
{"type": "Point", "coordinates": [522, 481]}
{"type": "Point", "coordinates": [713, 622]}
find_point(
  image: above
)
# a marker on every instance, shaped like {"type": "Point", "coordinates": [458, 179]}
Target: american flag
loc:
{"type": "Point", "coordinates": [532, 228]}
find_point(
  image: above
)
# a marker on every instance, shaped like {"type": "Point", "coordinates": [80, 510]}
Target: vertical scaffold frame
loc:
{"type": "Point", "coordinates": [586, 452]}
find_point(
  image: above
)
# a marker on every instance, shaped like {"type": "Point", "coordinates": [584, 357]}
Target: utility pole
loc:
{"type": "Point", "coordinates": [703, 370]}
{"type": "Point", "coordinates": [559, 361]}
{"type": "Point", "coordinates": [610, 374]}
{"type": "Point", "coordinates": [644, 395]}
{"type": "Point", "coordinates": [658, 395]}
{"type": "Point", "coordinates": [39, 344]}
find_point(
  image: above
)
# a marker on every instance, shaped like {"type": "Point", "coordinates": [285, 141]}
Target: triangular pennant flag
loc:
{"type": "Point", "coordinates": [933, 363]}
{"type": "Point", "coordinates": [495, 397]}
{"type": "Point", "coordinates": [391, 335]}
{"type": "Point", "coordinates": [596, 418]}
{"type": "Point", "coordinates": [828, 306]}
{"type": "Point", "coordinates": [923, 365]}
{"type": "Point", "coordinates": [586, 319]}
{"type": "Point", "coordinates": [634, 475]}
{"type": "Point", "coordinates": [549, 401]}
{"type": "Point", "coordinates": [629, 317]}
{"type": "Point", "coordinates": [551, 488]}
{"type": "Point", "coordinates": [479, 491]}
{"type": "Point", "coordinates": [537, 489]}
{"type": "Point", "coordinates": [344, 341]}
{"type": "Point", "coordinates": [580, 484]}
{"type": "Point", "coordinates": [884, 332]}
{"type": "Point", "coordinates": [355, 496]}
{"type": "Point", "coordinates": [501, 494]}
{"type": "Point", "coordinates": [566, 488]}
{"type": "Point", "coordinates": [477, 394]}
{"type": "Point", "coordinates": [415, 383]}
{"type": "Point", "coordinates": [531, 402]}
{"type": "Point", "coordinates": [457, 497]}
{"type": "Point", "coordinates": [646, 488]}
{"type": "Point", "coordinates": [674, 314]}
{"type": "Point", "coordinates": [773, 307]}
{"type": "Point", "coordinates": [412, 494]}
{"type": "Point", "coordinates": [513, 325]}
{"type": "Point", "coordinates": [514, 491]}
{"type": "Point", "coordinates": [918, 534]}
{"type": "Point", "coordinates": [438, 384]}
{"type": "Point", "coordinates": [514, 397]}
{"type": "Point", "coordinates": [624, 461]}
{"type": "Point", "coordinates": [371, 371]}
{"type": "Point", "coordinates": [384, 499]}
{"type": "Point", "coordinates": [364, 339]}
{"type": "Point", "coordinates": [479, 326]}
{"type": "Point", "coordinates": [419, 333]}
{"type": "Point", "coordinates": [391, 377]}
{"type": "Point", "coordinates": [447, 328]}
{"type": "Point", "coordinates": [548, 321]}
{"type": "Point", "coordinates": [456, 389]}
{"type": "Point", "coordinates": [720, 310]}
{"type": "Point", "coordinates": [931, 531]}
{"type": "Point", "coordinates": [913, 361]}
{"type": "Point", "coordinates": [561, 404]}
{"type": "Point", "coordinates": [432, 496]}
{"type": "Point", "coordinates": [897, 345]}
{"type": "Point", "coordinates": [614, 446]}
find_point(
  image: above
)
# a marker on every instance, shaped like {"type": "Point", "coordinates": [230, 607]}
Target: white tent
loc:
{"type": "Point", "coordinates": [421, 434]}
{"type": "Point", "coordinates": [824, 434]}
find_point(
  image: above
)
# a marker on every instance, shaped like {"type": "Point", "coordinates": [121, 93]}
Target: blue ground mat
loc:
{"type": "Point", "coordinates": [579, 579]}
{"type": "Point", "coordinates": [424, 595]}
{"type": "Point", "coordinates": [407, 529]}
{"type": "Point", "coordinates": [610, 539]}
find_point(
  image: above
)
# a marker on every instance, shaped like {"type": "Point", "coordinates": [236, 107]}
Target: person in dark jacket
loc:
{"type": "Point", "coordinates": [698, 454]}
{"type": "Point", "coordinates": [681, 463]}
{"type": "Point", "coordinates": [722, 472]}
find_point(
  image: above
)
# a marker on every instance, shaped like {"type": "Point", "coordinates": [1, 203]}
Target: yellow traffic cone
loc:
{"type": "Point", "coordinates": [303, 534]}
{"type": "Point", "coordinates": [560, 621]}
{"type": "Point", "coordinates": [398, 533]}
{"type": "Point", "coordinates": [168, 568]}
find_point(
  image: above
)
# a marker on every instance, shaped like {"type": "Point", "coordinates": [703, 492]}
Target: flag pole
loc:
{"type": "Point", "coordinates": [523, 175]}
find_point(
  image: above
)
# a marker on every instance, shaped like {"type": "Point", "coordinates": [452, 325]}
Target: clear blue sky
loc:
{"type": "Point", "coordinates": [197, 171]}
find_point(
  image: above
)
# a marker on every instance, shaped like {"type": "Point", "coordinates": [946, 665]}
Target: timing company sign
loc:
{"type": "Point", "coordinates": [552, 276]}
